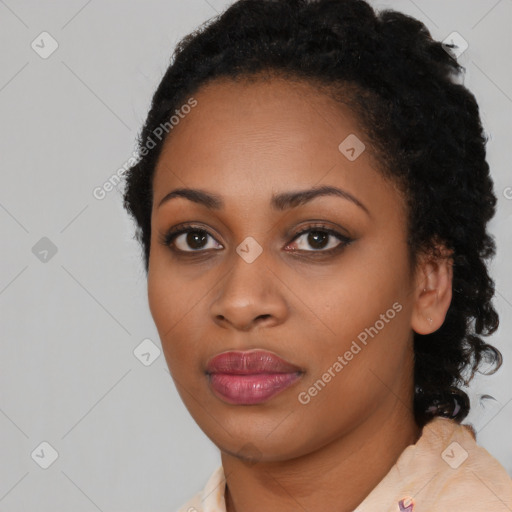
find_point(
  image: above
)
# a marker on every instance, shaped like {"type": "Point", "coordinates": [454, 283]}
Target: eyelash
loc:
{"type": "Point", "coordinates": [168, 238]}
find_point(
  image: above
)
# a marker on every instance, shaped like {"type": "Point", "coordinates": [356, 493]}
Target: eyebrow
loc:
{"type": "Point", "coordinates": [281, 202]}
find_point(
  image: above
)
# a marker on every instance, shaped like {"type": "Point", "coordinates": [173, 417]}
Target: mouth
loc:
{"type": "Point", "coordinates": [249, 378]}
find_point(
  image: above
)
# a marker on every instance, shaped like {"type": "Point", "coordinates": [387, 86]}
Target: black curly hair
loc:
{"type": "Point", "coordinates": [424, 127]}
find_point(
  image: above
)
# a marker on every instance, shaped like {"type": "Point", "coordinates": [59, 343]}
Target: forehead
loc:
{"type": "Point", "coordinates": [244, 137]}
{"type": "Point", "coordinates": [263, 105]}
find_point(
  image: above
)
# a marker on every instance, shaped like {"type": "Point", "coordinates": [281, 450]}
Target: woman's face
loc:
{"type": "Point", "coordinates": [334, 303]}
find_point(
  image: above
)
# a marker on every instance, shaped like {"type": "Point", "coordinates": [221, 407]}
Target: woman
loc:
{"type": "Point", "coordinates": [312, 197]}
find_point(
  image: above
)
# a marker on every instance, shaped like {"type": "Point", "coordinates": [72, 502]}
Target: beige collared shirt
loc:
{"type": "Point", "coordinates": [444, 471]}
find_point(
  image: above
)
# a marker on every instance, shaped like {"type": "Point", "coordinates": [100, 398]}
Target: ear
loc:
{"type": "Point", "coordinates": [433, 291]}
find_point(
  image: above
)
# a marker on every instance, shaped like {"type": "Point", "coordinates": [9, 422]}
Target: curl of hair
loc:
{"type": "Point", "coordinates": [425, 133]}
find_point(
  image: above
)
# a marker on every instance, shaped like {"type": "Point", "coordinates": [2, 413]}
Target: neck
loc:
{"type": "Point", "coordinates": [338, 476]}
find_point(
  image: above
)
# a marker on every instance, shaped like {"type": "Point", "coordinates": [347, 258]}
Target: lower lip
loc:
{"type": "Point", "coordinates": [250, 389]}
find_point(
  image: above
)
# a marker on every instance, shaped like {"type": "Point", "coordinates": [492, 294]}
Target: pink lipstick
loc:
{"type": "Point", "coordinates": [252, 377]}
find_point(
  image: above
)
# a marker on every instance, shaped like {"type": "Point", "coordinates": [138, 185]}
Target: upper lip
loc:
{"type": "Point", "coordinates": [249, 362]}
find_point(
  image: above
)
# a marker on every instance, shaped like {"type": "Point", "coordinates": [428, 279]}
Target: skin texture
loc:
{"type": "Point", "coordinates": [245, 142]}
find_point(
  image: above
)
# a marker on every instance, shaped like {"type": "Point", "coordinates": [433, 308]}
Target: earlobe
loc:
{"type": "Point", "coordinates": [433, 293]}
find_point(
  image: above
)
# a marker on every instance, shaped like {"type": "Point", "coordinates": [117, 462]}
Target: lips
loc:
{"type": "Point", "coordinates": [252, 362]}
{"type": "Point", "coordinates": [249, 378]}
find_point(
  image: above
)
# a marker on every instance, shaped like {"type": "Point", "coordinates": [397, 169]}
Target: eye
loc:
{"type": "Point", "coordinates": [320, 238]}
{"type": "Point", "coordinates": [192, 239]}
{"type": "Point", "coordinates": [187, 238]}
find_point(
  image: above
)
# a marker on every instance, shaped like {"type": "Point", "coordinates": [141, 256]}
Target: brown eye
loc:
{"type": "Point", "coordinates": [190, 239]}
{"type": "Point", "coordinates": [195, 239]}
{"type": "Point", "coordinates": [319, 240]}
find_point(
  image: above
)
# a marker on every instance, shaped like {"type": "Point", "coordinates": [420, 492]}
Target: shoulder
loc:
{"type": "Point", "coordinates": [445, 470]}
{"type": "Point", "coordinates": [475, 477]}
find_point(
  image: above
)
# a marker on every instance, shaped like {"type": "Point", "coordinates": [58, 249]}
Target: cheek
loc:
{"type": "Point", "coordinates": [170, 296]}
{"type": "Point", "coordinates": [177, 308]}
{"type": "Point", "coordinates": [365, 313]}
{"type": "Point", "coordinates": [354, 296]}
{"type": "Point", "coordinates": [168, 309]}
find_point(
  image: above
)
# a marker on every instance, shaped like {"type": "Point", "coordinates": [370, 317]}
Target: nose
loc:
{"type": "Point", "coordinates": [249, 296]}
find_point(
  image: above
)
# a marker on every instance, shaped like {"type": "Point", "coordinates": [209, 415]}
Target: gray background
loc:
{"type": "Point", "coordinates": [70, 324]}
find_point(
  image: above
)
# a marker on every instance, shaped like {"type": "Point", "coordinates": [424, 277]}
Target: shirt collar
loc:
{"type": "Point", "coordinates": [432, 472]}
